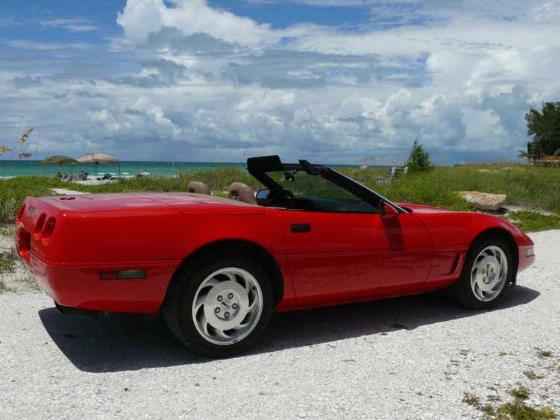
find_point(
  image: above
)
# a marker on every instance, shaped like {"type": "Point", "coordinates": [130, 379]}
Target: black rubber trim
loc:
{"type": "Point", "coordinates": [259, 166]}
{"type": "Point", "coordinates": [301, 228]}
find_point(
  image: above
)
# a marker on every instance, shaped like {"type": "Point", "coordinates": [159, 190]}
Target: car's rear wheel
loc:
{"type": "Point", "coordinates": [219, 309]}
{"type": "Point", "coordinates": [488, 271]}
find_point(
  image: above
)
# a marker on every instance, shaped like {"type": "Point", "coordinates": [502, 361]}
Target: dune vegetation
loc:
{"type": "Point", "coordinates": [526, 186]}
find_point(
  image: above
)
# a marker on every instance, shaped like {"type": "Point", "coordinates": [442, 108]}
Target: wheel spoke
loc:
{"type": "Point", "coordinates": [204, 323]}
{"type": "Point", "coordinates": [247, 322]}
{"type": "Point", "coordinates": [199, 303]}
{"type": "Point", "coordinates": [499, 274]}
{"type": "Point", "coordinates": [252, 305]}
{"type": "Point", "coordinates": [230, 276]}
{"type": "Point", "coordinates": [221, 333]}
{"type": "Point", "coordinates": [211, 282]}
{"type": "Point", "coordinates": [252, 297]}
{"type": "Point", "coordinates": [243, 283]}
{"type": "Point", "coordinates": [475, 271]}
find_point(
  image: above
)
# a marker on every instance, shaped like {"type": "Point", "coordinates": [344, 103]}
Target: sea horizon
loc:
{"type": "Point", "coordinates": [15, 168]}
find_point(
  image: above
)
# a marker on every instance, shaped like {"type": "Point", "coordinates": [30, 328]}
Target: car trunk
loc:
{"type": "Point", "coordinates": [90, 228]}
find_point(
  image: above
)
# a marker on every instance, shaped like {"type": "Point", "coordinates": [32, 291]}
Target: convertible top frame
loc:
{"type": "Point", "coordinates": [260, 166]}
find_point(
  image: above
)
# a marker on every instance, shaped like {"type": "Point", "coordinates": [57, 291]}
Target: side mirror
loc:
{"type": "Point", "coordinates": [262, 195]}
{"type": "Point", "coordinates": [388, 211]}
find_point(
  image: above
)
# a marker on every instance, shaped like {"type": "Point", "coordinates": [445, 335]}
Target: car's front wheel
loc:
{"type": "Point", "coordinates": [488, 270]}
{"type": "Point", "coordinates": [221, 308]}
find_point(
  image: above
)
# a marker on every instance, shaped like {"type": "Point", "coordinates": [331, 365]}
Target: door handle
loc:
{"type": "Point", "coordinates": [301, 228]}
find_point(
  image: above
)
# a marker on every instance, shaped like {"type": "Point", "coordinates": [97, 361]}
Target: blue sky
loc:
{"type": "Point", "coordinates": [331, 80]}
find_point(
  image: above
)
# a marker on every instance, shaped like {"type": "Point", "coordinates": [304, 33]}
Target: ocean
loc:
{"type": "Point", "coordinates": [11, 168]}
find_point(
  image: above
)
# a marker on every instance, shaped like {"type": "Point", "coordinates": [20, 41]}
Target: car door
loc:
{"type": "Point", "coordinates": [332, 255]}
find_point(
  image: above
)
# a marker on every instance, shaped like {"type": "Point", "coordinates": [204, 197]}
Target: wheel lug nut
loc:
{"type": "Point", "coordinates": [220, 298]}
{"type": "Point", "coordinates": [217, 310]}
{"type": "Point", "coordinates": [230, 296]}
{"type": "Point", "coordinates": [235, 306]}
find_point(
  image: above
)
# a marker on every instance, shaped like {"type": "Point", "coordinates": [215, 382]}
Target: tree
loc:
{"type": "Point", "coordinates": [544, 126]}
{"type": "Point", "coordinates": [419, 159]}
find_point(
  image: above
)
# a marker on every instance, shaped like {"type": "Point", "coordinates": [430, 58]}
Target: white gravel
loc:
{"type": "Point", "coordinates": [410, 358]}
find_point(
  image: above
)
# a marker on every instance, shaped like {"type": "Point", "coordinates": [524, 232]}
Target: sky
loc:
{"type": "Point", "coordinates": [338, 81]}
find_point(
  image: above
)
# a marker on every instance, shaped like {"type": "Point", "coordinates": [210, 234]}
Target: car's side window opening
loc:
{"type": "Point", "coordinates": [304, 191]}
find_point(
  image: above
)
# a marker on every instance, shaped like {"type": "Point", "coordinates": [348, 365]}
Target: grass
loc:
{"type": "Point", "coordinates": [534, 222]}
{"type": "Point", "coordinates": [519, 410]}
{"type": "Point", "coordinates": [217, 180]}
{"type": "Point", "coordinates": [513, 410]}
{"type": "Point", "coordinates": [471, 399]}
{"type": "Point", "coordinates": [520, 393]}
{"type": "Point", "coordinates": [13, 192]}
{"type": "Point", "coordinates": [7, 263]}
{"type": "Point", "coordinates": [528, 186]}
{"type": "Point", "coordinates": [531, 187]}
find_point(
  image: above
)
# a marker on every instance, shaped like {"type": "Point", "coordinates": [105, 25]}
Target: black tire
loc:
{"type": "Point", "coordinates": [463, 289]}
{"type": "Point", "coordinates": [177, 310]}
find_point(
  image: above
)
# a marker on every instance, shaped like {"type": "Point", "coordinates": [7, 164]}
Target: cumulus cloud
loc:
{"type": "Point", "coordinates": [139, 19]}
{"type": "Point", "coordinates": [203, 83]}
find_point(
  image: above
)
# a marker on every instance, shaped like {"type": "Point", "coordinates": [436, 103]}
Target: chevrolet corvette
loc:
{"type": "Point", "coordinates": [216, 269]}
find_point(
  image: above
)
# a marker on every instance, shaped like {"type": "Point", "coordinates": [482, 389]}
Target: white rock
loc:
{"type": "Point", "coordinates": [484, 201]}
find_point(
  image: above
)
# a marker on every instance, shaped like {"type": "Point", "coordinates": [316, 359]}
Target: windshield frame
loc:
{"type": "Point", "coordinates": [260, 166]}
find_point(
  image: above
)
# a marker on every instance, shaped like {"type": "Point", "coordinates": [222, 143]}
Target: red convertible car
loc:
{"type": "Point", "coordinates": [216, 269]}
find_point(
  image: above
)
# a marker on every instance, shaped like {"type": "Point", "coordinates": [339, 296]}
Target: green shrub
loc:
{"type": "Point", "coordinates": [419, 159]}
{"type": "Point", "coordinates": [13, 192]}
{"type": "Point", "coordinates": [534, 222]}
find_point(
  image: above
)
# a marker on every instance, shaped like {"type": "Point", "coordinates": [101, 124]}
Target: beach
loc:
{"type": "Point", "coordinates": [12, 168]}
{"type": "Point", "coordinates": [416, 357]}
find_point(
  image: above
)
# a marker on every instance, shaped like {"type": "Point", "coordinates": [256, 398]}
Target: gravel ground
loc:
{"type": "Point", "coordinates": [409, 358]}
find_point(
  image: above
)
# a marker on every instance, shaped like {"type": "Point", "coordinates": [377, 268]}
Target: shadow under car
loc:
{"type": "Point", "coordinates": [120, 342]}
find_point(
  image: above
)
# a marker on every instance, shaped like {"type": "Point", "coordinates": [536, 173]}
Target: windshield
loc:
{"type": "Point", "coordinates": [313, 192]}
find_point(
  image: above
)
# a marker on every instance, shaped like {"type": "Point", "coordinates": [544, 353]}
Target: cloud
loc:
{"type": "Point", "coordinates": [198, 82]}
{"type": "Point", "coordinates": [70, 24]}
{"type": "Point", "coordinates": [319, 3]}
{"type": "Point", "coordinates": [45, 46]}
{"type": "Point", "coordinates": [139, 19]}
{"type": "Point", "coordinates": [548, 12]}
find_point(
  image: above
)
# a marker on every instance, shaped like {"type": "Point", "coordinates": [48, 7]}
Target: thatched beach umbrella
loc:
{"type": "Point", "coordinates": [59, 160]}
{"type": "Point", "coordinates": [97, 158]}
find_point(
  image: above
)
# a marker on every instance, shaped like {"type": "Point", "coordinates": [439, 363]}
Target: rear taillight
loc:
{"type": "Point", "coordinates": [49, 227]}
{"type": "Point", "coordinates": [23, 243]}
{"type": "Point", "coordinates": [40, 223]}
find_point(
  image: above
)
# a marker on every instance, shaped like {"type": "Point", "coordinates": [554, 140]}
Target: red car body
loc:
{"type": "Point", "coordinates": [119, 252]}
